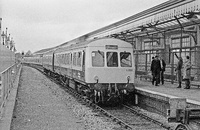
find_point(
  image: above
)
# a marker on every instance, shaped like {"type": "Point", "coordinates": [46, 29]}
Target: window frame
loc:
{"type": "Point", "coordinates": [100, 53]}
{"type": "Point", "coordinates": [130, 59]}
{"type": "Point", "coordinates": [114, 52]}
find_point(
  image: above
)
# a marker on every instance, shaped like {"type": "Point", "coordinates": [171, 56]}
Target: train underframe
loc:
{"type": "Point", "coordinates": [99, 93]}
{"type": "Point", "coordinates": [111, 93]}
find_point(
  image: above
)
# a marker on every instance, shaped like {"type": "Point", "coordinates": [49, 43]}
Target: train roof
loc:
{"type": "Point", "coordinates": [95, 42]}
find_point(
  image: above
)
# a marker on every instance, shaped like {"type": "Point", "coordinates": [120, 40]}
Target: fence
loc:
{"type": "Point", "coordinates": [7, 57]}
{"type": "Point", "coordinates": [143, 63]}
{"type": "Point", "coordinates": [7, 78]}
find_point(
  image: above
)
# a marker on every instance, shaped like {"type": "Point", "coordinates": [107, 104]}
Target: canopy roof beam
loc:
{"type": "Point", "coordinates": [178, 21]}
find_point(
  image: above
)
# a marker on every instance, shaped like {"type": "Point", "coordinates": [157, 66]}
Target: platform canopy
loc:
{"type": "Point", "coordinates": [170, 15]}
{"type": "Point", "coordinates": [167, 16]}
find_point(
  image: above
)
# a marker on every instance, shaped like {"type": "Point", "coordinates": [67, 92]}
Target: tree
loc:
{"type": "Point", "coordinates": [28, 53]}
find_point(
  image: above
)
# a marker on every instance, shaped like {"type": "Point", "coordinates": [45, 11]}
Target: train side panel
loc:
{"type": "Point", "coordinates": [70, 64]}
{"type": "Point", "coordinates": [35, 60]}
{"type": "Point", "coordinates": [47, 61]}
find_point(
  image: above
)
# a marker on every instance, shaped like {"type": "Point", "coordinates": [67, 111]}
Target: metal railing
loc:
{"type": "Point", "coordinates": [7, 79]}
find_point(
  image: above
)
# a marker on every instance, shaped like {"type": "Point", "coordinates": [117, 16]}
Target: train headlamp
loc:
{"type": "Point", "coordinates": [12, 71]}
{"type": "Point", "coordinates": [96, 78]}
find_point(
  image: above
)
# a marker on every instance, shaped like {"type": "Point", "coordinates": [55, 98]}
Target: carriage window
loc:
{"type": "Point", "coordinates": [98, 58]}
{"type": "Point", "coordinates": [125, 59]}
{"type": "Point", "coordinates": [68, 58]}
{"type": "Point", "coordinates": [79, 59]}
{"type": "Point", "coordinates": [112, 59]}
{"type": "Point", "coordinates": [65, 60]}
{"type": "Point", "coordinates": [74, 58]}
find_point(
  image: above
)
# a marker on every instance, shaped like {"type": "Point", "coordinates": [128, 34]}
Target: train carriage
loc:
{"type": "Point", "coordinates": [35, 60]}
{"type": "Point", "coordinates": [48, 61]}
{"type": "Point", "coordinates": [102, 69]}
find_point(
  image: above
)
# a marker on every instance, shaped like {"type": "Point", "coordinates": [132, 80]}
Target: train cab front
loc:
{"type": "Point", "coordinates": [111, 72]}
{"type": "Point", "coordinates": [112, 93]}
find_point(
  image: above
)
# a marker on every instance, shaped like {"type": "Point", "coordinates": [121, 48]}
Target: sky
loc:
{"type": "Point", "coordinates": [40, 24]}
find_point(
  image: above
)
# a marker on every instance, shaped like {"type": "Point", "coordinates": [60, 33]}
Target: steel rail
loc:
{"type": "Point", "coordinates": [147, 117]}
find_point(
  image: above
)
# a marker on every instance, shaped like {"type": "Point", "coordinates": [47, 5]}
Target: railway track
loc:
{"type": "Point", "coordinates": [137, 111]}
{"type": "Point", "coordinates": [128, 117]}
{"type": "Point", "coordinates": [136, 119]}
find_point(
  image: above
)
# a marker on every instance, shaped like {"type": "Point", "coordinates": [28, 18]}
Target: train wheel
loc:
{"type": "Point", "coordinates": [67, 82]}
{"type": "Point", "coordinates": [76, 86]}
{"type": "Point", "coordinates": [49, 73]}
{"type": "Point", "coordinates": [61, 79]}
{"type": "Point", "coordinates": [181, 127]}
{"type": "Point", "coordinates": [92, 97]}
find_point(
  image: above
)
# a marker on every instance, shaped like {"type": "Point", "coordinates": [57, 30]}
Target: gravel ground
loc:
{"type": "Point", "coordinates": [42, 105]}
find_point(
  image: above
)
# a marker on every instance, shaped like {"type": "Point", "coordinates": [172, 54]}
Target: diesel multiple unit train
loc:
{"type": "Point", "coordinates": [102, 69]}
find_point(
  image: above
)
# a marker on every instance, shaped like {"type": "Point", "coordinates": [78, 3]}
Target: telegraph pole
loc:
{"type": "Point", "coordinates": [6, 37]}
{"type": "Point", "coordinates": [0, 29]}
{"type": "Point", "coordinates": [3, 37]}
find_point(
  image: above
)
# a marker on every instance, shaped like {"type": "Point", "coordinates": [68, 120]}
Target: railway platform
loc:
{"type": "Point", "coordinates": [192, 95]}
{"type": "Point", "coordinates": [165, 99]}
{"type": "Point", "coordinates": [175, 104]}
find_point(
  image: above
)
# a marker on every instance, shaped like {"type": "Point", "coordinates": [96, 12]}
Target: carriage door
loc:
{"type": "Point", "coordinates": [83, 61]}
{"type": "Point", "coordinates": [53, 58]}
{"type": "Point", "coordinates": [71, 60]}
{"type": "Point", "coordinates": [71, 71]}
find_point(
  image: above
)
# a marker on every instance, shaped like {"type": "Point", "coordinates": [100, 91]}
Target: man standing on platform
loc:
{"type": "Point", "coordinates": [153, 77]}
{"type": "Point", "coordinates": [155, 68]}
{"type": "Point", "coordinates": [179, 73]}
{"type": "Point", "coordinates": [163, 65]}
{"type": "Point", "coordinates": [186, 72]}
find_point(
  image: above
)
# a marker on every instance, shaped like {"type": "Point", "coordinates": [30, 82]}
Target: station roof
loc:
{"type": "Point", "coordinates": [43, 50]}
{"type": "Point", "coordinates": [172, 14]}
{"type": "Point", "coordinates": [166, 16]}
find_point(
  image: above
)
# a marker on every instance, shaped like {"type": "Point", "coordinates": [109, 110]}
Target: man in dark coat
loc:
{"type": "Point", "coordinates": [153, 79]}
{"type": "Point", "coordinates": [155, 69]}
{"type": "Point", "coordinates": [163, 65]}
{"type": "Point", "coordinates": [186, 72]}
{"type": "Point", "coordinates": [179, 72]}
